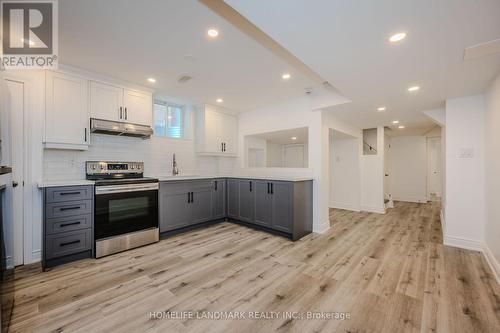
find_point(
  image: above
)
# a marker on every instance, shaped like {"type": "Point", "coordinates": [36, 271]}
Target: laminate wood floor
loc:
{"type": "Point", "coordinates": [388, 273]}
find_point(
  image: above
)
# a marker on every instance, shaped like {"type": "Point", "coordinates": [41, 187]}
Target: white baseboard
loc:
{"type": "Point", "coordinates": [463, 243]}
{"type": "Point", "coordinates": [443, 222]}
{"type": "Point", "coordinates": [36, 256]}
{"type": "Point", "coordinates": [492, 261]}
{"type": "Point", "coordinates": [373, 209]}
{"type": "Point", "coordinates": [321, 228]}
{"type": "Point", "coordinates": [410, 199]}
{"type": "Point", "coordinates": [346, 206]}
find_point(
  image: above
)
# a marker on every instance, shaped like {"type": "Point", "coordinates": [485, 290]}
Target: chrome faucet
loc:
{"type": "Point", "coordinates": [175, 170]}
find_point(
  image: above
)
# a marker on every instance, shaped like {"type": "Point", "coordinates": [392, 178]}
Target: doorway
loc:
{"type": "Point", "coordinates": [16, 109]}
{"type": "Point", "coordinates": [434, 170]}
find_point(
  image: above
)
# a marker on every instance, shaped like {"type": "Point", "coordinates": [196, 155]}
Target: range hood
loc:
{"type": "Point", "coordinates": [118, 128]}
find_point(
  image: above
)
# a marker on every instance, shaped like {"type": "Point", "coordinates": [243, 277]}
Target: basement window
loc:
{"type": "Point", "coordinates": [169, 119]}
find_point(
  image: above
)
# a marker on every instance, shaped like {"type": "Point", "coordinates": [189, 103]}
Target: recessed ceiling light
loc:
{"type": "Point", "coordinates": [401, 127]}
{"type": "Point", "coordinates": [395, 122]}
{"type": "Point", "coordinates": [286, 76]}
{"type": "Point", "coordinates": [152, 79]}
{"type": "Point", "coordinates": [381, 109]}
{"type": "Point", "coordinates": [219, 100]}
{"type": "Point", "coordinates": [414, 88]}
{"type": "Point", "coordinates": [397, 37]}
{"type": "Point", "coordinates": [293, 138]}
{"type": "Point", "coordinates": [213, 33]}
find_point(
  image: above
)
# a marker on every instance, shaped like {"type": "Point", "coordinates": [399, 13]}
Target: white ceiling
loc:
{"type": "Point", "coordinates": [285, 137]}
{"type": "Point", "coordinates": [346, 43]}
{"type": "Point", "coordinates": [133, 40]}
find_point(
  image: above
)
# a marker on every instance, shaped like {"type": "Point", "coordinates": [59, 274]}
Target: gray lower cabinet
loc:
{"type": "Point", "coordinates": [184, 203]}
{"type": "Point", "coordinates": [233, 198]}
{"type": "Point", "coordinates": [219, 198]}
{"type": "Point", "coordinates": [263, 203]}
{"type": "Point", "coordinates": [174, 209]}
{"type": "Point", "coordinates": [247, 200]}
{"type": "Point", "coordinates": [281, 206]}
{"type": "Point", "coordinates": [68, 224]}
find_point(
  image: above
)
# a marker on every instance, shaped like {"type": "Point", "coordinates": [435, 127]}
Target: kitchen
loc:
{"type": "Point", "coordinates": [168, 160]}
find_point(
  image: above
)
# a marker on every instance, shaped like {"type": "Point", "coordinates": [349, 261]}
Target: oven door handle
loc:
{"type": "Point", "coordinates": [99, 190]}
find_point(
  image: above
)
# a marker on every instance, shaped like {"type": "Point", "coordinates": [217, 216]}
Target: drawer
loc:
{"type": "Point", "coordinates": [185, 186]}
{"type": "Point", "coordinates": [69, 193]}
{"type": "Point", "coordinates": [70, 208]}
{"type": "Point", "coordinates": [67, 243]}
{"type": "Point", "coordinates": [71, 223]}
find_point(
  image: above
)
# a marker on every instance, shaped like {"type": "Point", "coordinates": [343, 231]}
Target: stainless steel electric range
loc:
{"type": "Point", "coordinates": [126, 206]}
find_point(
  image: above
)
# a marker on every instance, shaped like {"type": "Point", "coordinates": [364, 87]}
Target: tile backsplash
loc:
{"type": "Point", "coordinates": [156, 153]}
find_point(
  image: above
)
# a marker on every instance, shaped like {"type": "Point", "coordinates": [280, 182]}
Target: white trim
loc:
{"type": "Point", "coordinates": [411, 199]}
{"type": "Point", "coordinates": [492, 262]}
{"type": "Point", "coordinates": [463, 243]}
{"type": "Point", "coordinates": [373, 209]}
{"type": "Point", "coordinates": [322, 228]}
{"type": "Point", "coordinates": [72, 146]}
{"type": "Point", "coordinates": [346, 206]}
{"type": "Point", "coordinates": [443, 222]}
{"type": "Point", "coordinates": [36, 256]}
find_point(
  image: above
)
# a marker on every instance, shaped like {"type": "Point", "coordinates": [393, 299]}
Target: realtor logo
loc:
{"type": "Point", "coordinates": [29, 34]}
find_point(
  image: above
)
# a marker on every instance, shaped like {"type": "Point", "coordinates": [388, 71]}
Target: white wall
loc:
{"type": "Point", "coordinates": [274, 155]}
{"type": "Point", "coordinates": [465, 172]}
{"type": "Point", "coordinates": [345, 181]}
{"type": "Point", "coordinates": [408, 168]}
{"type": "Point", "coordinates": [492, 175]}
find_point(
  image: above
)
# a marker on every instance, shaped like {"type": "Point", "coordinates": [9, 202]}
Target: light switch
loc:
{"type": "Point", "coordinates": [466, 153]}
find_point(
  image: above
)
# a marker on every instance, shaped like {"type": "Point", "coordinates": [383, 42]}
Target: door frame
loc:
{"type": "Point", "coordinates": [28, 81]}
{"type": "Point", "coordinates": [283, 153]}
{"type": "Point", "coordinates": [429, 171]}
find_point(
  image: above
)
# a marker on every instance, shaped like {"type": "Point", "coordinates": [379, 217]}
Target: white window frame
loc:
{"type": "Point", "coordinates": [182, 119]}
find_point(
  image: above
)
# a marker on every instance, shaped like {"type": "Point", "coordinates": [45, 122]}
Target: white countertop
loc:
{"type": "Point", "coordinates": [79, 182]}
{"type": "Point", "coordinates": [195, 177]}
{"type": "Point", "coordinates": [58, 183]}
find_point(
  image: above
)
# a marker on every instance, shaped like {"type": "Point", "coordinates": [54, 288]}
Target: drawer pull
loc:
{"type": "Point", "coordinates": [68, 224]}
{"type": "Point", "coordinates": [70, 243]}
{"type": "Point", "coordinates": [69, 208]}
{"type": "Point", "coordinates": [70, 193]}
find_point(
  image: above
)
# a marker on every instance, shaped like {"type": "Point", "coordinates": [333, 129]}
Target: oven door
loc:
{"type": "Point", "coordinates": [122, 209]}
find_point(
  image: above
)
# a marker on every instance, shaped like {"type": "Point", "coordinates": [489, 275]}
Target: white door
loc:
{"type": "Point", "coordinates": [66, 112]}
{"type": "Point", "coordinates": [106, 102]}
{"type": "Point", "coordinates": [435, 172]}
{"type": "Point", "coordinates": [17, 149]}
{"type": "Point", "coordinates": [138, 107]}
{"type": "Point", "coordinates": [293, 156]}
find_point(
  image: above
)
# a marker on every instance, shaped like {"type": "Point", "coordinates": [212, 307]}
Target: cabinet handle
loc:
{"type": "Point", "coordinates": [250, 186]}
{"type": "Point", "coordinates": [272, 188]}
{"type": "Point", "coordinates": [85, 134]}
{"type": "Point", "coordinates": [222, 146]}
{"type": "Point", "coordinates": [189, 197]}
{"type": "Point", "coordinates": [126, 113]}
{"type": "Point", "coordinates": [192, 197]}
{"type": "Point", "coordinates": [268, 188]}
{"type": "Point", "coordinates": [62, 225]}
{"type": "Point", "coordinates": [69, 208]}
{"type": "Point", "coordinates": [70, 193]}
{"type": "Point", "coordinates": [216, 185]}
{"type": "Point", "coordinates": [120, 113]}
{"type": "Point", "coordinates": [70, 243]}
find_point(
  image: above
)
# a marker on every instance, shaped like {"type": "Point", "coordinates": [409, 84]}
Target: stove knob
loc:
{"type": "Point", "coordinates": [93, 167]}
{"type": "Point", "coordinates": [102, 167]}
{"type": "Point", "coordinates": [133, 167]}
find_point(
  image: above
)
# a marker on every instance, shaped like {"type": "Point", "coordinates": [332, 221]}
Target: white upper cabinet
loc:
{"type": "Point", "coordinates": [115, 103]}
{"type": "Point", "coordinates": [106, 101]}
{"type": "Point", "coordinates": [138, 107]}
{"type": "Point", "coordinates": [66, 111]}
{"type": "Point", "coordinates": [216, 131]}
